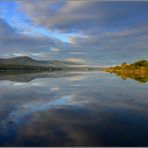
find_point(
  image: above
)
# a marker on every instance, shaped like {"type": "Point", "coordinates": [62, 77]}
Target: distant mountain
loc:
{"type": "Point", "coordinates": [24, 60]}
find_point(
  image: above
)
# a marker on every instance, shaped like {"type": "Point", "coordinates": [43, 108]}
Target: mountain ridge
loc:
{"type": "Point", "coordinates": [25, 60]}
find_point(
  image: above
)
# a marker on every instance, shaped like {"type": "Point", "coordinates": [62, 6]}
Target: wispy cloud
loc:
{"type": "Point", "coordinates": [75, 60]}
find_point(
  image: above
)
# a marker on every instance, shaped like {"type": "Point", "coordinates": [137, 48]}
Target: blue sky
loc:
{"type": "Point", "coordinates": [98, 33]}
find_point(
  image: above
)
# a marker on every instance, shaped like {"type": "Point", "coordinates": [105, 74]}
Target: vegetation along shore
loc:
{"type": "Point", "coordinates": [137, 71]}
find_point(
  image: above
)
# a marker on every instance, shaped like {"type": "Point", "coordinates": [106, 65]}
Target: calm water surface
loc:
{"type": "Point", "coordinates": [73, 109]}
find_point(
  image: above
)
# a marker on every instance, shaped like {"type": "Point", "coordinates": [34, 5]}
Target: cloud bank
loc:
{"type": "Point", "coordinates": [104, 33]}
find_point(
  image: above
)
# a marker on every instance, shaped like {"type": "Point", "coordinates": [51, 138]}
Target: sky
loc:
{"type": "Point", "coordinates": [88, 32]}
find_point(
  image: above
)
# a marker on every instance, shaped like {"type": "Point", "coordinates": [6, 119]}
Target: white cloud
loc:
{"type": "Point", "coordinates": [75, 60]}
{"type": "Point", "coordinates": [56, 88]}
{"type": "Point", "coordinates": [55, 49]}
{"type": "Point", "coordinates": [19, 54]}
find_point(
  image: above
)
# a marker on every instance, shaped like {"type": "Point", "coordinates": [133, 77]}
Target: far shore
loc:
{"type": "Point", "coordinates": [137, 71]}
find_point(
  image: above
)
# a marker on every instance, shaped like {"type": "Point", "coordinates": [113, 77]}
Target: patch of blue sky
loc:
{"type": "Point", "coordinates": [7, 9]}
{"type": "Point", "coordinates": [23, 25]}
{"type": "Point", "coordinates": [10, 15]}
{"type": "Point", "coordinates": [33, 30]}
{"type": "Point", "coordinates": [19, 20]}
{"type": "Point", "coordinates": [36, 31]}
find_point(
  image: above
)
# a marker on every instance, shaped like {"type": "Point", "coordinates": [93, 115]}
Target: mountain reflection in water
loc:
{"type": "Point", "coordinates": [72, 109]}
{"type": "Point", "coordinates": [26, 77]}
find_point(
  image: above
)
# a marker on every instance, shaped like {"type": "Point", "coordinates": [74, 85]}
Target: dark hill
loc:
{"type": "Point", "coordinates": [24, 60]}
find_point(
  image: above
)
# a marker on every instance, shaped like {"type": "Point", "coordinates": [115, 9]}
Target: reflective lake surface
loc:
{"type": "Point", "coordinates": [72, 109]}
